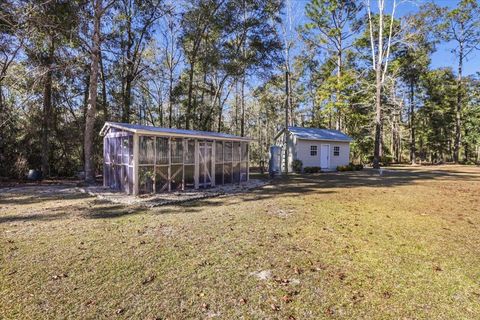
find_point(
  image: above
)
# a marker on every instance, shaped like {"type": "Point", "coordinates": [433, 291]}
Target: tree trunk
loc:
{"type": "Point", "coordinates": [127, 94]}
{"type": "Point", "coordinates": [339, 75]}
{"type": "Point", "coordinates": [104, 88]}
{"type": "Point", "coordinates": [287, 118]}
{"type": "Point", "coordinates": [47, 111]}
{"type": "Point", "coordinates": [378, 120]}
{"type": "Point", "coordinates": [466, 149]}
{"type": "Point", "coordinates": [190, 94]}
{"type": "Point", "coordinates": [412, 124]}
{"type": "Point", "coordinates": [170, 99]}
{"type": "Point", "coordinates": [92, 95]}
{"type": "Point", "coordinates": [127, 98]}
{"type": "Point", "coordinates": [242, 123]}
{"type": "Point", "coordinates": [458, 109]}
{"type": "Point", "coordinates": [220, 112]}
{"type": "Point", "coordinates": [3, 169]}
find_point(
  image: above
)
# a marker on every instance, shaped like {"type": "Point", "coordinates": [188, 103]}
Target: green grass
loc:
{"type": "Point", "coordinates": [349, 245]}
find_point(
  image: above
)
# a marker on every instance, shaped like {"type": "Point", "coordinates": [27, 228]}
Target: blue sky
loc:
{"type": "Point", "coordinates": [443, 57]}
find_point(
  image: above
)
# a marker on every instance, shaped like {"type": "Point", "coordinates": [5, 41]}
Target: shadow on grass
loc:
{"type": "Point", "coordinates": [286, 186]}
{"type": "Point", "coordinates": [37, 194]}
{"type": "Point", "coordinates": [33, 217]}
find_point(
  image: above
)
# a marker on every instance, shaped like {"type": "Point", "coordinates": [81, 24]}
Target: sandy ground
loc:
{"type": "Point", "coordinates": [146, 201]}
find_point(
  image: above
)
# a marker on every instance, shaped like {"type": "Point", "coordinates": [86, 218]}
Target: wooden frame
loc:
{"type": "Point", "coordinates": [173, 169]}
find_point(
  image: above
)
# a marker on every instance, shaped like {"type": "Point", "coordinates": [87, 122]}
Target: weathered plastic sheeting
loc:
{"type": "Point", "coordinates": [146, 179]}
{"type": "Point", "coordinates": [162, 151]}
{"type": "Point", "coordinates": [218, 174]}
{"type": "Point", "coordinates": [236, 151]}
{"type": "Point", "coordinates": [176, 150]}
{"type": "Point", "coordinates": [228, 151]}
{"type": "Point", "coordinates": [146, 150]}
{"type": "Point", "coordinates": [205, 163]}
{"type": "Point", "coordinates": [118, 160]}
{"type": "Point", "coordinates": [168, 164]}
{"type": "Point", "coordinates": [176, 180]}
{"type": "Point", "coordinates": [227, 173]}
{"type": "Point", "coordinates": [189, 151]}
{"type": "Point", "coordinates": [161, 179]}
{"type": "Point", "coordinates": [189, 176]}
{"type": "Point", "coordinates": [236, 172]}
{"type": "Point", "coordinates": [218, 152]}
{"type": "Point", "coordinates": [244, 151]}
{"type": "Point", "coordinates": [243, 172]}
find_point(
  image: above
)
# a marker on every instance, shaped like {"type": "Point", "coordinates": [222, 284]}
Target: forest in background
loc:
{"type": "Point", "coordinates": [244, 67]}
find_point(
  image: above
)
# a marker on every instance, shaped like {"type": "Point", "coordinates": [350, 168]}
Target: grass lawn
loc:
{"type": "Point", "coordinates": [340, 245]}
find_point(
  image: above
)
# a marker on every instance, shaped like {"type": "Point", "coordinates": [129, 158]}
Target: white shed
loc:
{"type": "Point", "coordinates": [324, 148]}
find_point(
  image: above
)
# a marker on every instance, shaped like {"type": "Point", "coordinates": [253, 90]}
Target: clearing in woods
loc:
{"type": "Point", "coordinates": [341, 245]}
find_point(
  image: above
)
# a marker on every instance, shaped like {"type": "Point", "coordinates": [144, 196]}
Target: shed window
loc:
{"type": "Point", "coordinates": [336, 151]}
{"type": "Point", "coordinates": [313, 150]}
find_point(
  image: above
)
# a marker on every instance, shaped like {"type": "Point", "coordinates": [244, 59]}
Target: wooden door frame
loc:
{"type": "Point", "coordinates": [328, 155]}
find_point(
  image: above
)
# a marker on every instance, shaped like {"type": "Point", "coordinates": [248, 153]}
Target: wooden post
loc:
{"type": "Point", "coordinates": [169, 152]}
{"type": "Point", "coordinates": [184, 148]}
{"type": "Point", "coordinates": [104, 157]}
{"type": "Point", "coordinates": [154, 164]}
{"type": "Point", "coordinates": [248, 161]}
{"type": "Point", "coordinates": [136, 153]}
{"type": "Point", "coordinates": [212, 173]}
{"type": "Point", "coordinates": [197, 165]}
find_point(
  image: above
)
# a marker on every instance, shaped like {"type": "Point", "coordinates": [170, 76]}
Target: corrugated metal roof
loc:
{"type": "Point", "coordinates": [318, 134]}
{"type": "Point", "coordinates": [170, 131]}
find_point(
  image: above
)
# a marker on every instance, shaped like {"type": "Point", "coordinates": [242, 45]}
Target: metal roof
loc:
{"type": "Point", "coordinates": [319, 134]}
{"type": "Point", "coordinates": [137, 128]}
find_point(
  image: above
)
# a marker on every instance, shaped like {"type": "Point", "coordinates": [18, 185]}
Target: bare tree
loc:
{"type": "Point", "coordinates": [462, 26]}
{"type": "Point", "coordinates": [98, 11]}
{"type": "Point", "coordinates": [380, 58]}
{"type": "Point", "coordinates": [172, 55]}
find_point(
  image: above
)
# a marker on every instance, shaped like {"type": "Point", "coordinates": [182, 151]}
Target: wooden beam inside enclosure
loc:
{"type": "Point", "coordinates": [136, 180]}
{"type": "Point", "coordinates": [165, 168]}
{"type": "Point", "coordinates": [213, 164]}
{"type": "Point", "coordinates": [248, 162]}
{"type": "Point", "coordinates": [196, 174]}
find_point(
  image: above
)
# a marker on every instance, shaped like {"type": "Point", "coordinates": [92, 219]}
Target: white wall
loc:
{"type": "Point", "coordinates": [302, 152]}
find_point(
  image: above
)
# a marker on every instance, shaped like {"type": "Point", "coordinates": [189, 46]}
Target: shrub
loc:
{"type": "Point", "coordinates": [384, 160]}
{"type": "Point", "coordinates": [312, 169]}
{"type": "Point", "coordinates": [297, 165]}
{"type": "Point", "coordinates": [350, 167]}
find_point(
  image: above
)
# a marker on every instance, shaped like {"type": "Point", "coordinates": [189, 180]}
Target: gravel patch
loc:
{"type": "Point", "coordinates": [167, 198]}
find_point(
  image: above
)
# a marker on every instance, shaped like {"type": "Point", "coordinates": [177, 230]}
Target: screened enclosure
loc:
{"type": "Point", "coordinates": [144, 159]}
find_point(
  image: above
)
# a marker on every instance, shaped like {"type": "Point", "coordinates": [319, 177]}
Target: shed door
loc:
{"type": "Point", "coordinates": [205, 164]}
{"type": "Point", "coordinates": [325, 156]}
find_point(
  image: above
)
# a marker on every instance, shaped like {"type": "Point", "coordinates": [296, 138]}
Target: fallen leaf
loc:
{"type": "Point", "coordinates": [149, 279]}
{"type": "Point", "coordinates": [90, 303]}
{"type": "Point", "coordinates": [329, 311]}
{"type": "Point", "coordinates": [297, 270]}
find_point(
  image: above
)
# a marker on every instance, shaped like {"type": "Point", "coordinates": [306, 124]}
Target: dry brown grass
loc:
{"type": "Point", "coordinates": [349, 245]}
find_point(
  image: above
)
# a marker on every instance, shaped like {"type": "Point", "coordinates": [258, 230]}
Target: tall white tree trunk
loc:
{"type": "Point", "coordinates": [92, 94]}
